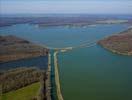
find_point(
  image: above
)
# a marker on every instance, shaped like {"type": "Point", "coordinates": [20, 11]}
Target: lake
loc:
{"type": "Point", "coordinates": [85, 73]}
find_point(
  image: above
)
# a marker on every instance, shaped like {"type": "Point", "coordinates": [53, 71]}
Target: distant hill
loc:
{"type": "Point", "coordinates": [61, 19]}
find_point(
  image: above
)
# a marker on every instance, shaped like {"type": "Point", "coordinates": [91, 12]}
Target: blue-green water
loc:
{"type": "Point", "coordinates": [53, 85]}
{"type": "Point", "coordinates": [40, 62]}
{"type": "Point", "coordinates": [61, 36]}
{"type": "Point", "coordinates": [86, 73]}
{"type": "Point", "coordinates": [95, 74]}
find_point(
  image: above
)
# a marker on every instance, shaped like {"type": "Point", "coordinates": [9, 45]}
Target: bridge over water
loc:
{"type": "Point", "coordinates": [83, 45]}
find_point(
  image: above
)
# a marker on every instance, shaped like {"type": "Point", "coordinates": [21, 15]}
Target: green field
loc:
{"type": "Point", "coordinates": [26, 93]}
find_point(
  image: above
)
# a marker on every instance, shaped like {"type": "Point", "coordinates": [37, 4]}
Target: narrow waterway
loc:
{"type": "Point", "coordinates": [53, 84]}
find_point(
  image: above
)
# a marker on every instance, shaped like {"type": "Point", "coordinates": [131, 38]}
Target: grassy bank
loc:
{"type": "Point", "coordinates": [25, 93]}
{"type": "Point", "coordinates": [18, 78]}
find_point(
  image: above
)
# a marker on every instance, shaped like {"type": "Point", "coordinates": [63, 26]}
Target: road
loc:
{"type": "Point", "coordinates": [57, 79]}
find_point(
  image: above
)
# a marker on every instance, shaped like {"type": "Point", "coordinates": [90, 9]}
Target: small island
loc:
{"type": "Point", "coordinates": [119, 43]}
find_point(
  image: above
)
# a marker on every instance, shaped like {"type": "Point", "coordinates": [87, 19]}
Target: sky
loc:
{"type": "Point", "coordinates": [66, 6]}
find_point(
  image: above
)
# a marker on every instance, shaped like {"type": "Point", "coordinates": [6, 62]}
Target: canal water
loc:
{"type": "Point", "coordinates": [85, 73]}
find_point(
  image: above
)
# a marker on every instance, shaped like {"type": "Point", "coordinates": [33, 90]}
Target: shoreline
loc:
{"type": "Point", "coordinates": [48, 81]}
{"type": "Point", "coordinates": [14, 48]}
{"type": "Point", "coordinates": [115, 52]}
{"type": "Point", "coordinates": [119, 43]}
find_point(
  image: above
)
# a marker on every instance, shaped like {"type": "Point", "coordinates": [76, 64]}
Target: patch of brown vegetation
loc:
{"type": "Point", "coordinates": [119, 43]}
{"type": "Point", "coordinates": [14, 48]}
{"type": "Point", "coordinates": [18, 78]}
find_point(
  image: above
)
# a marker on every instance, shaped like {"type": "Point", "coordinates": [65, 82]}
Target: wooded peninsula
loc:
{"type": "Point", "coordinates": [119, 43]}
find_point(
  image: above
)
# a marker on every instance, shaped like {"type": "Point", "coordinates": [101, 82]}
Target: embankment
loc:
{"type": "Point", "coordinates": [57, 79]}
